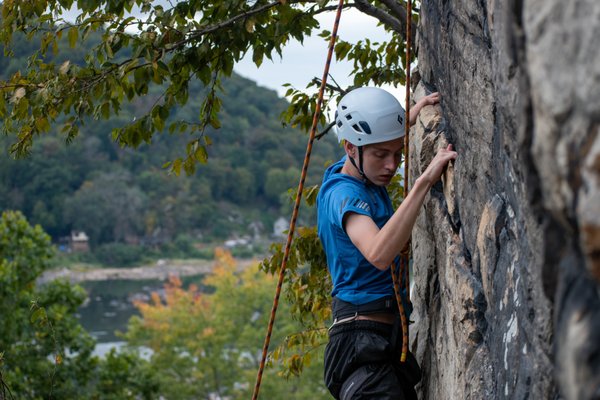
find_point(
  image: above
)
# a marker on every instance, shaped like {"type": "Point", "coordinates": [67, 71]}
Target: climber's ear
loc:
{"type": "Point", "coordinates": [349, 148]}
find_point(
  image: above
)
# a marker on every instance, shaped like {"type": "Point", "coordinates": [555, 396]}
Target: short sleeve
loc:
{"type": "Point", "coordinates": [345, 199]}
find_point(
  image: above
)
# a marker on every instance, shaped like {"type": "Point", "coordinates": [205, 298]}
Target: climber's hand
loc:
{"type": "Point", "coordinates": [431, 99]}
{"type": "Point", "coordinates": [434, 171]}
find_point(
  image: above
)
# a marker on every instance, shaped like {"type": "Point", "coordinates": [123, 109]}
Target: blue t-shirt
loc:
{"type": "Point", "coordinates": [355, 279]}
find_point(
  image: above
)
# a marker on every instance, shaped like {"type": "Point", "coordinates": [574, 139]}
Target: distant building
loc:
{"type": "Point", "coordinates": [280, 227]}
{"type": "Point", "coordinates": [256, 228]}
{"type": "Point", "coordinates": [231, 243]}
{"type": "Point", "coordinates": [80, 242]}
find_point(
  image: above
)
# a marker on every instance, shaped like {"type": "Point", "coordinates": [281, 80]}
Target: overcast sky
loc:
{"type": "Point", "coordinates": [303, 62]}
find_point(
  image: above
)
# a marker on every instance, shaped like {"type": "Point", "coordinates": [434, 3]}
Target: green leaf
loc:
{"type": "Point", "coordinates": [176, 166]}
{"type": "Point", "coordinates": [105, 110]}
{"type": "Point", "coordinates": [41, 124]}
{"type": "Point", "coordinates": [201, 155]}
{"type": "Point", "coordinates": [73, 36]}
{"type": "Point", "coordinates": [38, 314]}
{"type": "Point", "coordinates": [215, 123]}
{"type": "Point", "coordinates": [257, 55]}
{"type": "Point", "coordinates": [2, 105]}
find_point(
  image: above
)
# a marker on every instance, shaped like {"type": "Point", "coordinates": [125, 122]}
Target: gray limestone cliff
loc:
{"type": "Point", "coordinates": [507, 249]}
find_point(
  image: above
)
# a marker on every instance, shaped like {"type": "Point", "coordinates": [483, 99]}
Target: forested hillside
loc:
{"type": "Point", "coordinates": [125, 198]}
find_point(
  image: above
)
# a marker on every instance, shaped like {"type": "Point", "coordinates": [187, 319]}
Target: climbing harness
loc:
{"type": "Point", "coordinates": [405, 254]}
{"type": "Point", "coordinates": [344, 312]}
{"type": "Point", "coordinates": [290, 236]}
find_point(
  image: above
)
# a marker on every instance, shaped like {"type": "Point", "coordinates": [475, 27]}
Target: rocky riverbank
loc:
{"type": "Point", "coordinates": [161, 270]}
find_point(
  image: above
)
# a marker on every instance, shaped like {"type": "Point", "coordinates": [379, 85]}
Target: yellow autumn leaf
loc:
{"type": "Point", "coordinates": [64, 68]}
{"type": "Point", "coordinates": [18, 95]}
{"type": "Point", "coordinates": [250, 25]}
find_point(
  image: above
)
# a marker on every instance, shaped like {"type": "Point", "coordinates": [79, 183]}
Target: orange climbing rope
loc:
{"type": "Point", "coordinates": [403, 266]}
{"type": "Point", "coordinates": [405, 254]}
{"type": "Point", "coordinates": [288, 243]}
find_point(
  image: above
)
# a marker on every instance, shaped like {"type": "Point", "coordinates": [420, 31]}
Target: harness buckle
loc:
{"type": "Point", "coordinates": [344, 320]}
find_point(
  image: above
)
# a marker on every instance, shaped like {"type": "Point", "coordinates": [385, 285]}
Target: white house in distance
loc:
{"type": "Point", "coordinates": [280, 227]}
{"type": "Point", "coordinates": [79, 242]}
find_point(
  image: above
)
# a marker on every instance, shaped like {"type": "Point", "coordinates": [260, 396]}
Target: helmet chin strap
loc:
{"type": "Point", "coordinates": [359, 167]}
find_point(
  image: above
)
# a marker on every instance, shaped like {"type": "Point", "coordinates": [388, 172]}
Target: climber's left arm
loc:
{"type": "Point", "coordinates": [428, 100]}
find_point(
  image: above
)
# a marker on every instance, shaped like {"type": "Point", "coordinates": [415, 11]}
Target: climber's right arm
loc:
{"type": "Point", "coordinates": [381, 246]}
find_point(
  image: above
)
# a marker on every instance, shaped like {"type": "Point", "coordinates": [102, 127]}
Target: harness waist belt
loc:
{"type": "Point", "coordinates": [342, 309]}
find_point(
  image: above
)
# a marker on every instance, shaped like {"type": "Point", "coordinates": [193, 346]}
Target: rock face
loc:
{"type": "Point", "coordinates": [507, 249]}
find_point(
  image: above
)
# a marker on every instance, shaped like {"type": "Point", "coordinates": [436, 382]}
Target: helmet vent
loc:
{"type": "Point", "coordinates": [339, 124]}
{"type": "Point", "coordinates": [365, 126]}
{"type": "Point", "coordinates": [344, 107]}
{"type": "Point", "coordinates": [356, 128]}
{"type": "Point", "coordinates": [348, 117]}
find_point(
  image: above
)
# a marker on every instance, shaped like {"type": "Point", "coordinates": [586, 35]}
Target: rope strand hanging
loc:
{"type": "Point", "coordinates": [405, 254]}
{"type": "Point", "coordinates": [291, 230]}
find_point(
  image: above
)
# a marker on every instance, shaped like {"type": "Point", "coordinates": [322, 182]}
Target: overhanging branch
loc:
{"type": "Point", "coordinates": [395, 7]}
{"type": "Point", "coordinates": [382, 15]}
{"type": "Point", "coordinates": [394, 17]}
{"type": "Point", "coordinates": [212, 28]}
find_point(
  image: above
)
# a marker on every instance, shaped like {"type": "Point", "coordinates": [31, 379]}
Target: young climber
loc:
{"type": "Point", "coordinates": [362, 235]}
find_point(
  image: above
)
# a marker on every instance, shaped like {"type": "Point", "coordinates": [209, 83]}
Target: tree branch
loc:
{"type": "Point", "coordinates": [400, 12]}
{"type": "Point", "coordinates": [333, 8]}
{"type": "Point", "coordinates": [325, 131]}
{"type": "Point", "coordinates": [336, 88]}
{"type": "Point", "coordinates": [383, 16]}
{"type": "Point", "coordinates": [396, 23]}
{"type": "Point", "coordinates": [396, 8]}
{"type": "Point", "coordinates": [212, 28]}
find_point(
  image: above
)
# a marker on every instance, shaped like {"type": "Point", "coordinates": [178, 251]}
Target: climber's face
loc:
{"type": "Point", "coordinates": [380, 160]}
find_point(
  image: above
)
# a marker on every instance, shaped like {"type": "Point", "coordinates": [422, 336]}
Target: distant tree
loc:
{"type": "Point", "coordinates": [242, 185]}
{"type": "Point", "coordinates": [278, 183]}
{"type": "Point", "coordinates": [44, 352]}
{"type": "Point", "coordinates": [209, 343]}
{"type": "Point", "coordinates": [108, 208]}
{"type": "Point", "coordinates": [39, 185]}
{"type": "Point", "coordinates": [174, 44]}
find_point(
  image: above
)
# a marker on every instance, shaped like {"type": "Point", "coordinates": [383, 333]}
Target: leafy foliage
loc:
{"type": "Point", "coordinates": [45, 353]}
{"type": "Point", "coordinates": [156, 58]}
{"type": "Point", "coordinates": [307, 287]}
{"type": "Point", "coordinates": [214, 338]}
{"type": "Point", "coordinates": [119, 196]}
{"type": "Point", "coordinates": [175, 44]}
{"type": "Point", "coordinates": [148, 44]}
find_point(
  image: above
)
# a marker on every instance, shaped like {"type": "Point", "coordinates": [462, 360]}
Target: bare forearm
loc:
{"type": "Point", "coordinates": [430, 99]}
{"type": "Point", "coordinates": [414, 113]}
{"type": "Point", "coordinates": [394, 235]}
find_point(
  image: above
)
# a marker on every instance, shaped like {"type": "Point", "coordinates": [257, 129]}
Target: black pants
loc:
{"type": "Point", "coordinates": [362, 363]}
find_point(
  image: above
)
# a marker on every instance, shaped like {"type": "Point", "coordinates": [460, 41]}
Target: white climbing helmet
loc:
{"type": "Point", "coordinates": [369, 115]}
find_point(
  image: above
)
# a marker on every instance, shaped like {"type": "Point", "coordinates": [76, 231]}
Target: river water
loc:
{"type": "Point", "coordinates": [109, 306]}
